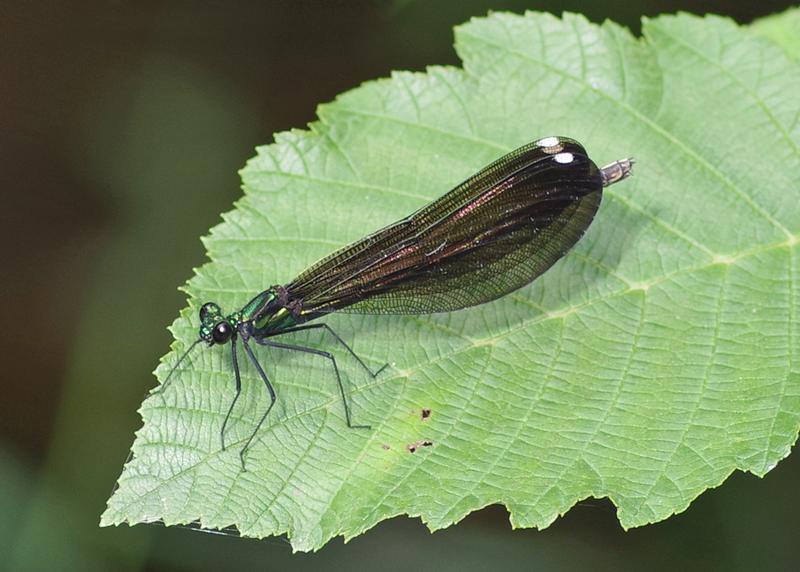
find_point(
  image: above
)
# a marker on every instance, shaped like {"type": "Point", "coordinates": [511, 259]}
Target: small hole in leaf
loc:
{"type": "Point", "coordinates": [426, 413]}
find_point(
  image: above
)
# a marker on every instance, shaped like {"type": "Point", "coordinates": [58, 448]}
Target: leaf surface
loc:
{"type": "Point", "coordinates": [653, 360]}
{"type": "Point", "coordinates": [783, 29]}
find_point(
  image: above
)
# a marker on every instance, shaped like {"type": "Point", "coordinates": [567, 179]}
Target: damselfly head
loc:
{"type": "Point", "coordinates": [209, 311]}
{"type": "Point", "coordinates": [214, 327]}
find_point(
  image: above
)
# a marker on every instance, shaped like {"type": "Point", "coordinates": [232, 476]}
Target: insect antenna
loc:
{"type": "Point", "coordinates": [163, 386]}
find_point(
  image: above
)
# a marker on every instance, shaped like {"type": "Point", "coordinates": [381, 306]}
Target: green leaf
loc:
{"type": "Point", "coordinates": [646, 366]}
{"type": "Point", "coordinates": [783, 29]}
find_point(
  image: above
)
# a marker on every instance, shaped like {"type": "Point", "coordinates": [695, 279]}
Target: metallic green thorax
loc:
{"type": "Point", "coordinates": [266, 313]}
{"type": "Point", "coordinates": [259, 305]}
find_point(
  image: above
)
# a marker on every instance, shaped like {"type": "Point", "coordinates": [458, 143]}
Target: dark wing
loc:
{"type": "Point", "coordinates": [489, 236]}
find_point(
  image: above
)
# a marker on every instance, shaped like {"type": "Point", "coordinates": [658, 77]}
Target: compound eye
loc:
{"type": "Point", "coordinates": [222, 332]}
{"type": "Point", "coordinates": [208, 309]}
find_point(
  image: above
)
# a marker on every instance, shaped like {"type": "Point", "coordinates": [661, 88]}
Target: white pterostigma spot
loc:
{"type": "Point", "coordinates": [564, 158]}
{"type": "Point", "coordinates": [548, 142]}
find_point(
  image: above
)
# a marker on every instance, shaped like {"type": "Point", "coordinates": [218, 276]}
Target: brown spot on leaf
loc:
{"type": "Point", "coordinates": [412, 447]}
{"type": "Point", "coordinates": [426, 413]}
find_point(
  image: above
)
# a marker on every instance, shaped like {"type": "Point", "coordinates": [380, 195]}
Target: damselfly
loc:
{"type": "Point", "coordinates": [490, 235]}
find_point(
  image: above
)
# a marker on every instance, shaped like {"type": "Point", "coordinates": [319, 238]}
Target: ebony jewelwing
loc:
{"type": "Point", "coordinates": [492, 234]}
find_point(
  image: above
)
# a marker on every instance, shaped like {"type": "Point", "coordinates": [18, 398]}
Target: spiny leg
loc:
{"type": "Point", "coordinates": [339, 339]}
{"type": "Point", "coordinates": [235, 361]}
{"type": "Point", "coordinates": [326, 355]}
{"type": "Point", "coordinates": [272, 396]}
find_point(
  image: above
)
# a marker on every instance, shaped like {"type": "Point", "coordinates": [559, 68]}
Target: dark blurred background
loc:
{"type": "Point", "coordinates": [122, 127]}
